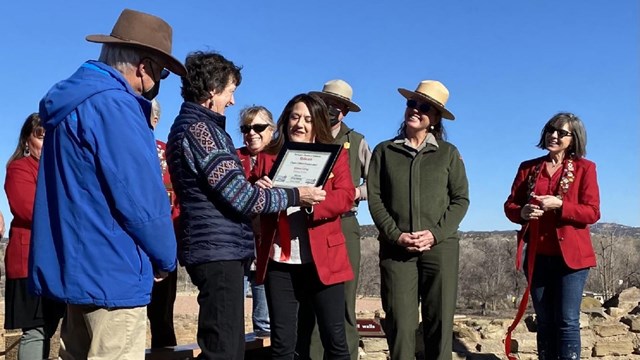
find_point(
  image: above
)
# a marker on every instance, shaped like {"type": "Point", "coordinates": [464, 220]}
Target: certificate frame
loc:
{"type": "Point", "coordinates": [304, 164]}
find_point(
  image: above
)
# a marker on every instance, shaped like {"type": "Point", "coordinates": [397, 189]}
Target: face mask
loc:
{"type": "Point", "coordinates": [333, 115]}
{"type": "Point", "coordinates": [151, 93]}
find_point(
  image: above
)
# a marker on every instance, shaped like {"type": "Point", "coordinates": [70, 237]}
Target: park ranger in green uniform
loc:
{"type": "Point", "coordinates": [337, 95]}
{"type": "Point", "coordinates": [418, 195]}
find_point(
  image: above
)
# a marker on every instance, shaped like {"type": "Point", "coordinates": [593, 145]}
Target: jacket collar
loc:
{"type": "Point", "coordinates": [342, 131]}
{"type": "Point", "coordinates": [202, 113]}
{"type": "Point", "coordinates": [429, 143]}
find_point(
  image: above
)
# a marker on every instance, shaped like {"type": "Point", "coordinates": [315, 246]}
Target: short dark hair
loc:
{"type": "Point", "coordinates": [319, 119]}
{"type": "Point", "coordinates": [207, 71]}
{"type": "Point", "coordinates": [578, 147]}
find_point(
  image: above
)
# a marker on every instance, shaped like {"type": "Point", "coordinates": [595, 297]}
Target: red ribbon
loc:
{"type": "Point", "coordinates": [531, 259]}
{"type": "Point", "coordinates": [285, 237]}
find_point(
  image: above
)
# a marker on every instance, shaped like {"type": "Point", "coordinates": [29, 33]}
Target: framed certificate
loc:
{"type": "Point", "coordinates": [303, 164]}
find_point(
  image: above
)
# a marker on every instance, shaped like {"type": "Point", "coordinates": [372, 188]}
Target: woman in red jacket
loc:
{"type": "Point", "coordinates": [37, 317]}
{"type": "Point", "coordinates": [555, 198]}
{"type": "Point", "coordinates": [302, 255]}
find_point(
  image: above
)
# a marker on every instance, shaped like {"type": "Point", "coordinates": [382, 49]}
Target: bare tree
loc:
{"type": "Point", "coordinates": [618, 263]}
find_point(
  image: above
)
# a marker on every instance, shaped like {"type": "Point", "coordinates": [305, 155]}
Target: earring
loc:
{"type": "Point", "coordinates": [431, 127]}
{"type": "Point", "coordinates": [26, 151]}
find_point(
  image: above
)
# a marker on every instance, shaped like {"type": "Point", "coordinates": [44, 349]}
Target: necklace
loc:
{"type": "Point", "coordinates": [565, 181]}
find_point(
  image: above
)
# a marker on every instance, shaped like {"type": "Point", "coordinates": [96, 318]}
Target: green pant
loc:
{"type": "Point", "coordinates": [351, 231]}
{"type": "Point", "coordinates": [430, 277]}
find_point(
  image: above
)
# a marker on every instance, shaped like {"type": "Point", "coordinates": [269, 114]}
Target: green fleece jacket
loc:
{"type": "Point", "coordinates": [428, 191]}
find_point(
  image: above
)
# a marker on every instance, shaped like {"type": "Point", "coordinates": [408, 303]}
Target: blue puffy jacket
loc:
{"type": "Point", "coordinates": [101, 214]}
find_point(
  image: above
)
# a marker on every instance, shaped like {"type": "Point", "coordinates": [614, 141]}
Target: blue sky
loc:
{"type": "Point", "coordinates": [509, 65]}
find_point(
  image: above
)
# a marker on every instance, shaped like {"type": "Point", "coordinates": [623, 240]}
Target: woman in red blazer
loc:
{"type": "Point", "coordinates": [302, 255]}
{"type": "Point", "coordinates": [555, 198]}
{"type": "Point", "coordinates": [37, 317]}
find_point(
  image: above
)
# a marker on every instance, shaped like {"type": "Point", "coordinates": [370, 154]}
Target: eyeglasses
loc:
{"type": "Point", "coordinates": [337, 106]}
{"type": "Point", "coordinates": [38, 133]}
{"type": "Point", "coordinates": [258, 128]}
{"type": "Point", "coordinates": [164, 73]}
{"type": "Point", "coordinates": [561, 132]}
{"type": "Point", "coordinates": [422, 107]}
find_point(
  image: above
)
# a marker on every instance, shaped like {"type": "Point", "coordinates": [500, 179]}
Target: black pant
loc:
{"type": "Point", "coordinates": [221, 315]}
{"type": "Point", "coordinates": [296, 289]}
{"type": "Point", "coordinates": [160, 311]}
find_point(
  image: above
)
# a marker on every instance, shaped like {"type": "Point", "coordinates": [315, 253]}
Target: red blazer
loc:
{"type": "Point", "coordinates": [580, 208]}
{"type": "Point", "coordinates": [20, 186]}
{"type": "Point", "coordinates": [161, 147]}
{"type": "Point", "coordinates": [328, 247]}
{"type": "Point", "coordinates": [245, 159]}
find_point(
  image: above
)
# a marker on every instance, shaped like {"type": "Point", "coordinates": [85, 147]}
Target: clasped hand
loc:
{"type": "Point", "coordinates": [417, 241]}
{"type": "Point", "coordinates": [309, 195]}
{"type": "Point", "coordinates": [544, 203]}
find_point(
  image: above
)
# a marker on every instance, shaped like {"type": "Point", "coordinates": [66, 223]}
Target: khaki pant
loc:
{"type": "Point", "coordinates": [90, 332]}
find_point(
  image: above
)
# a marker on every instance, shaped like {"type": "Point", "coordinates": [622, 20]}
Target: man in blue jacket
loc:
{"type": "Point", "coordinates": [102, 227]}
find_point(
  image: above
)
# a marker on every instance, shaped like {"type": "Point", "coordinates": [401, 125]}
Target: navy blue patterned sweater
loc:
{"type": "Point", "coordinates": [215, 198]}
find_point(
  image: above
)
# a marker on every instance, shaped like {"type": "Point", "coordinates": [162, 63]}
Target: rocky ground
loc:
{"type": "Point", "coordinates": [611, 333]}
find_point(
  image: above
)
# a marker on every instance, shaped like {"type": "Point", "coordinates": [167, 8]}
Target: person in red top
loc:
{"type": "Point", "coordinates": [302, 255]}
{"type": "Point", "coordinates": [37, 317]}
{"type": "Point", "coordinates": [257, 127]}
{"type": "Point", "coordinates": [163, 293]}
{"type": "Point", "coordinates": [555, 198]}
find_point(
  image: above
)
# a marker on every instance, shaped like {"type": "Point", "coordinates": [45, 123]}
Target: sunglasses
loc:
{"type": "Point", "coordinates": [38, 132]}
{"type": "Point", "coordinates": [422, 107]}
{"type": "Point", "coordinates": [258, 128]}
{"type": "Point", "coordinates": [561, 132]}
{"type": "Point", "coordinates": [164, 73]}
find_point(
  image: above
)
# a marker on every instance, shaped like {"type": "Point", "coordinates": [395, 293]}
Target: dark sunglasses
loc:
{"type": "Point", "coordinates": [561, 132]}
{"type": "Point", "coordinates": [422, 107]}
{"type": "Point", "coordinates": [258, 128]}
{"type": "Point", "coordinates": [164, 73]}
{"type": "Point", "coordinates": [38, 132]}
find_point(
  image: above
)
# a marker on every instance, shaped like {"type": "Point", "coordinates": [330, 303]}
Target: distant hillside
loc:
{"type": "Point", "coordinates": [599, 228]}
{"type": "Point", "coordinates": [616, 229]}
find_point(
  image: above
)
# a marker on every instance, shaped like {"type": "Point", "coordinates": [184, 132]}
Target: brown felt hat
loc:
{"type": "Point", "coordinates": [144, 31]}
{"type": "Point", "coordinates": [433, 92]}
{"type": "Point", "coordinates": [338, 90]}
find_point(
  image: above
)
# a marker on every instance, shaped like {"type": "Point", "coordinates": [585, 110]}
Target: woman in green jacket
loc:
{"type": "Point", "coordinates": [418, 195]}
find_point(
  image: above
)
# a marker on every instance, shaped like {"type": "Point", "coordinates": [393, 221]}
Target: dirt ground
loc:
{"type": "Point", "coordinates": [187, 303]}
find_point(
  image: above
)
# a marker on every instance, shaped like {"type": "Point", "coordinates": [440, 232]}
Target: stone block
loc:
{"type": "Point", "coordinates": [494, 330]}
{"type": "Point", "coordinates": [615, 312]}
{"type": "Point", "coordinates": [604, 347]}
{"type": "Point", "coordinates": [596, 313]}
{"type": "Point", "coordinates": [374, 356]}
{"type": "Point", "coordinates": [589, 303]}
{"type": "Point", "coordinates": [610, 329]}
{"type": "Point", "coordinates": [490, 346]}
{"type": "Point", "coordinates": [587, 338]}
{"type": "Point", "coordinates": [462, 331]}
{"type": "Point", "coordinates": [374, 345]}
{"type": "Point", "coordinates": [584, 320]}
{"type": "Point", "coordinates": [633, 321]}
{"type": "Point", "coordinates": [526, 345]}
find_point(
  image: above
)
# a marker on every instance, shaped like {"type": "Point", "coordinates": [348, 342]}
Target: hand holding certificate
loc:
{"type": "Point", "coordinates": [303, 164]}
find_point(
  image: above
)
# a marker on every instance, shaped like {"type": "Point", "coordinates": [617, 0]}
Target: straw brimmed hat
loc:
{"type": "Point", "coordinates": [433, 92]}
{"type": "Point", "coordinates": [144, 31]}
{"type": "Point", "coordinates": [340, 91]}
